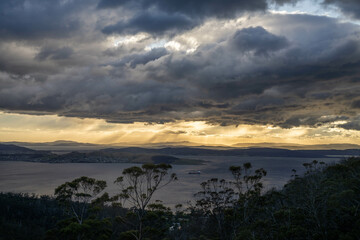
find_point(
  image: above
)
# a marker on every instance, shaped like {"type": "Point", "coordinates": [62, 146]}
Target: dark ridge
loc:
{"type": "Point", "coordinates": [164, 159]}
{"type": "Point", "coordinates": [252, 152]}
{"type": "Point", "coordinates": [11, 148]}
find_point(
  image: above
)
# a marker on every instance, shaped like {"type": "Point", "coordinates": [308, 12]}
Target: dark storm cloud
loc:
{"type": "Point", "coordinates": [282, 70]}
{"type": "Point", "coordinates": [348, 7]}
{"type": "Point", "coordinates": [355, 104]}
{"type": "Point", "coordinates": [177, 14]}
{"type": "Point", "coordinates": [258, 40]}
{"type": "Point", "coordinates": [198, 9]}
{"type": "Point", "coordinates": [54, 53]}
{"type": "Point", "coordinates": [155, 23]}
{"type": "Point", "coordinates": [293, 88]}
{"type": "Point", "coordinates": [352, 124]}
{"type": "Point", "coordinates": [38, 18]}
{"type": "Point", "coordinates": [208, 105]}
{"type": "Point", "coordinates": [88, 97]}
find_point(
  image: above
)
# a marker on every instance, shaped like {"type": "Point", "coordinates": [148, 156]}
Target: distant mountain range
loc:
{"type": "Point", "coordinates": [66, 146]}
{"type": "Point", "coordinates": [170, 155]}
{"type": "Point", "coordinates": [251, 152]}
{"type": "Point", "coordinates": [60, 145]}
{"type": "Point", "coordinates": [292, 146]}
{"type": "Point", "coordinates": [10, 152]}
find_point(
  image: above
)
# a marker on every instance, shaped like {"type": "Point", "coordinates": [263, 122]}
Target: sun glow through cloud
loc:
{"type": "Point", "coordinates": [254, 71]}
{"type": "Point", "coordinates": [32, 128]}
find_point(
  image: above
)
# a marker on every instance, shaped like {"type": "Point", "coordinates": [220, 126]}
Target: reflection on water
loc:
{"type": "Point", "coordinates": [43, 178]}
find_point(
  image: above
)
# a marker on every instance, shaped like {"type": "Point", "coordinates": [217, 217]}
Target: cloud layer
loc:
{"type": "Point", "coordinates": [223, 62]}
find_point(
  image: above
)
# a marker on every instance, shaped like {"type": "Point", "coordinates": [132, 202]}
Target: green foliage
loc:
{"type": "Point", "coordinates": [83, 189]}
{"type": "Point", "coordinates": [137, 187]}
{"type": "Point", "coordinates": [27, 217]}
{"type": "Point", "coordinates": [227, 209]}
{"type": "Point", "coordinates": [322, 204]}
{"type": "Point", "coordinates": [91, 229]}
{"type": "Point", "coordinates": [78, 196]}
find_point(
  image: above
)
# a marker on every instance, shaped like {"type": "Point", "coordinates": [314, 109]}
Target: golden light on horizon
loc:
{"type": "Point", "coordinates": [47, 128]}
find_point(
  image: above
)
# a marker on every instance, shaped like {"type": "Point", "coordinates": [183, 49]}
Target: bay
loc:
{"type": "Point", "coordinates": [43, 178]}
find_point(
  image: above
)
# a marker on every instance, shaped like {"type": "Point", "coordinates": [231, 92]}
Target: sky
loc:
{"type": "Point", "coordinates": [214, 72]}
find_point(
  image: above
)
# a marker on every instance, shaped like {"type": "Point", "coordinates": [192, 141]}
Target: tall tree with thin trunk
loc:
{"type": "Point", "coordinates": [78, 196]}
{"type": "Point", "coordinates": [137, 188]}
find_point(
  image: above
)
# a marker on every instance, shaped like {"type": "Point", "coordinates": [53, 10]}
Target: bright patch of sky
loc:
{"type": "Point", "coordinates": [189, 45]}
{"type": "Point", "coordinates": [128, 39]}
{"type": "Point", "coordinates": [313, 7]}
{"type": "Point", "coordinates": [41, 128]}
{"type": "Point", "coordinates": [156, 44]}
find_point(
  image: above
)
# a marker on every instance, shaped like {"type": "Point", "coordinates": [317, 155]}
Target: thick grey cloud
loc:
{"type": "Point", "coordinates": [353, 124]}
{"type": "Point", "coordinates": [283, 70]}
{"type": "Point", "coordinates": [291, 88]}
{"type": "Point", "coordinates": [258, 40]}
{"type": "Point", "coordinates": [29, 19]}
{"type": "Point", "coordinates": [159, 16]}
{"type": "Point", "coordinates": [155, 23]}
{"type": "Point", "coordinates": [348, 7]}
{"type": "Point", "coordinates": [54, 53]}
{"type": "Point", "coordinates": [198, 9]}
{"type": "Point", "coordinates": [355, 104]}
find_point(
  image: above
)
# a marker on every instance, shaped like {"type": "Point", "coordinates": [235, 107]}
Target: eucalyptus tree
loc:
{"type": "Point", "coordinates": [137, 187]}
{"type": "Point", "coordinates": [230, 204]}
{"type": "Point", "coordinates": [78, 196]}
{"type": "Point", "coordinates": [213, 200]}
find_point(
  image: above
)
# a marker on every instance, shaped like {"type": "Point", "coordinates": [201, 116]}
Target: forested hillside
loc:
{"type": "Point", "coordinates": [322, 204]}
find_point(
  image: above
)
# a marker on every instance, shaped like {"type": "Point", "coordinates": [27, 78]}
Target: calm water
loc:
{"type": "Point", "coordinates": [43, 178]}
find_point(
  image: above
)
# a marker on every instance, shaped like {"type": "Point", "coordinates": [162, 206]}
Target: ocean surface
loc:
{"type": "Point", "coordinates": [43, 178]}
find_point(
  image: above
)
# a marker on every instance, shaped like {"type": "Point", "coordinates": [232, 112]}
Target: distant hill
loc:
{"type": "Point", "coordinates": [292, 146]}
{"type": "Point", "coordinates": [55, 143]}
{"type": "Point", "coordinates": [104, 156]}
{"type": "Point", "coordinates": [59, 146]}
{"type": "Point", "coordinates": [251, 152]}
{"type": "Point", "coordinates": [10, 152]}
{"type": "Point", "coordinates": [171, 155]}
{"type": "Point", "coordinates": [69, 146]}
{"type": "Point", "coordinates": [12, 149]}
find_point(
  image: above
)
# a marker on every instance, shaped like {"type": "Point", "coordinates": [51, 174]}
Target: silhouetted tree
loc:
{"type": "Point", "coordinates": [215, 198]}
{"type": "Point", "coordinates": [78, 196]}
{"type": "Point", "coordinates": [137, 187]}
